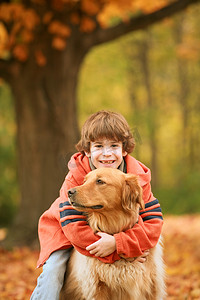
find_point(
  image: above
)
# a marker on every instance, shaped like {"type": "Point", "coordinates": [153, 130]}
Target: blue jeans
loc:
{"type": "Point", "coordinates": [50, 281]}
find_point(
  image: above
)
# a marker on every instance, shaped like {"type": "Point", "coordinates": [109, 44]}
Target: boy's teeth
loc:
{"type": "Point", "coordinates": [107, 162]}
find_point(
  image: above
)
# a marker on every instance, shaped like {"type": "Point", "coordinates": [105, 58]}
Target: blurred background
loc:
{"type": "Point", "coordinates": [152, 78]}
{"type": "Point", "coordinates": [62, 60]}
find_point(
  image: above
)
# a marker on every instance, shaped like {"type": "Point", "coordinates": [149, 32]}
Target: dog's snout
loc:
{"type": "Point", "coordinates": [71, 192]}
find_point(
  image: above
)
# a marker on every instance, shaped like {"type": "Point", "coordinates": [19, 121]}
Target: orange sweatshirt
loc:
{"type": "Point", "coordinates": [62, 227]}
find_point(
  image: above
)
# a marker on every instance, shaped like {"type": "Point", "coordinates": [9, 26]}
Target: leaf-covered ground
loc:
{"type": "Point", "coordinates": [181, 253]}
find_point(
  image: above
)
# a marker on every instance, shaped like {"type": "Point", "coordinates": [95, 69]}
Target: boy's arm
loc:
{"type": "Point", "coordinates": [79, 233]}
{"type": "Point", "coordinates": [131, 243]}
{"type": "Point", "coordinates": [76, 228]}
{"type": "Point", "coordinates": [144, 234]}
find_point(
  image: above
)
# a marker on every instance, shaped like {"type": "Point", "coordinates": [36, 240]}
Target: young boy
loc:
{"type": "Point", "coordinates": [106, 141]}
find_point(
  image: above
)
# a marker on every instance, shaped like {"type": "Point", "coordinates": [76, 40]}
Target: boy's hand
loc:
{"type": "Point", "coordinates": [103, 247]}
{"type": "Point", "coordinates": [140, 259]}
{"type": "Point", "coordinates": [143, 257]}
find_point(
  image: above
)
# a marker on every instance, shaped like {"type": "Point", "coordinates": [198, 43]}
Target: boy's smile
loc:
{"type": "Point", "coordinates": [106, 153]}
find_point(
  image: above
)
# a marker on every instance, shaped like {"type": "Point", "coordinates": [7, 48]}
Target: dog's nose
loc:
{"type": "Point", "coordinates": [71, 192]}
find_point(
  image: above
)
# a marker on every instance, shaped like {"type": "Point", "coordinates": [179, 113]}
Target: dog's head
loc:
{"type": "Point", "coordinates": [107, 189]}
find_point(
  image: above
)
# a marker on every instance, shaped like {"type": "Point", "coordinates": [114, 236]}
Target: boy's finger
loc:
{"type": "Point", "coordinates": [101, 234]}
{"type": "Point", "coordinates": [92, 246]}
{"type": "Point", "coordinates": [93, 252]}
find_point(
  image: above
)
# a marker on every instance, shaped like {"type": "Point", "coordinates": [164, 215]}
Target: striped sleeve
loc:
{"type": "Point", "coordinates": [69, 215]}
{"type": "Point", "coordinates": [152, 211]}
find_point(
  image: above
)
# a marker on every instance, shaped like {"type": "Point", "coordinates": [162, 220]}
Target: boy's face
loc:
{"type": "Point", "coordinates": [106, 153]}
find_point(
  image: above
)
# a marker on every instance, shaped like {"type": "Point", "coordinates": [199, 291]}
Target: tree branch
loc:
{"type": "Point", "coordinates": [100, 35]}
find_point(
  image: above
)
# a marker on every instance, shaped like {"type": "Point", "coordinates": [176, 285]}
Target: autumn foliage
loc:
{"type": "Point", "coordinates": [21, 24]}
{"type": "Point", "coordinates": [181, 253]}
{"type": "Point", "coordinates": [43, 44]}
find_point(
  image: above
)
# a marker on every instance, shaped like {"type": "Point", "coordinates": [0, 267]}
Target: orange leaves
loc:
{"type": "Point", "coordinates": [189, 50]}
{"type": "Point", "coordinates": [91, 7]}
{"type": "Point", "coordinates": [61, 32]}
{"type": "Point", "coordinates": [18, 271]}
{"type": "Point", "coordinates": [87, 25]}
{"type": "Point", "coordinates": [16, 12]}
{"type": "Point", "coordinates": [182, 256]}
{"type": "Point", "coordinates": [21, 52]}
{"type": "Point", "coordinates": [74, 19]}
{"type": "Point", "coordinates": [30, 19]}
{"type": "Point", "coordinates": [147, 6]}
{"type": "Point", "coordinates": [58, 43]}
{"type": "Point", "coordinates": [11, 12]}
{"type": "Point", "coordinates": [59, 28]}
{"type": "Point", "coordinates": [47, 17]}
{"type": "Point", "coordinates": [22, 23]}
{"type": "Point", "coordinates": [3, 41]}
{"type": "Point", "coordinates": [27, 35]}
{"type": "Point", "coordinates": [124, 9]}
{"type": "Point", "coordinates": [40, 58]}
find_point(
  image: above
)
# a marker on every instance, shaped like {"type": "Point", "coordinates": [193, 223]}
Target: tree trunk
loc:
{"type": "Point", "coordinates": [47, 132]}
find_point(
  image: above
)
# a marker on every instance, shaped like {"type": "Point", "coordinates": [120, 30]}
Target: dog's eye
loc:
{"type": "Point", "coordinates": [99, 181]}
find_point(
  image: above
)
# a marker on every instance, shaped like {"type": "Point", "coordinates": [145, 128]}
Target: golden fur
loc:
{"type": "Point", "coordinates": [112, 200]}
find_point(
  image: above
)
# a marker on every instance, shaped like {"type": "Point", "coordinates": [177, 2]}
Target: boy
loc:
{"type": "Point", "coordinates": [106, 141]}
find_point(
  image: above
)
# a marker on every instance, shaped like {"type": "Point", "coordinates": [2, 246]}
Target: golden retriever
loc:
{"type": "Point", "coordinates": [111, 200]}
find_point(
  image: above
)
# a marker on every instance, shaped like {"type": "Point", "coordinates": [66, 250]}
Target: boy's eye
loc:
{"type": "Point", "coordinates": [98, 146]}
{"type": "Point", "coordinates": [114, 145]}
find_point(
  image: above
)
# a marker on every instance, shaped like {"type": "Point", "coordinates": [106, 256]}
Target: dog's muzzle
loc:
{"type": "Point", "coordinates": [72, 193]}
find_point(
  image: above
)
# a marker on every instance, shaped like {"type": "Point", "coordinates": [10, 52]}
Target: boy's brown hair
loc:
{"type": "Point", "coordinates": [106, 124]}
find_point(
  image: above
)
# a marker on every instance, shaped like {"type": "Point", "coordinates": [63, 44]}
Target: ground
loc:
{"type": "Point", "coordinates": [18, 271]}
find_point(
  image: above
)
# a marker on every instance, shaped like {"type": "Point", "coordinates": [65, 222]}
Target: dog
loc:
{"type": "Point", "coordinates": [111, 200]}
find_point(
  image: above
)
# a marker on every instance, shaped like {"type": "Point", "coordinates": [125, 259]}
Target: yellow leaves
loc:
{"type": "Point", "coordinates": [3, 232]}
{"type": "Point", "coordinates": [147, 6]}
{"type": "Point", "coordinates": [3, 41]}
{"type": "Point", "coordinates": [123, 9]}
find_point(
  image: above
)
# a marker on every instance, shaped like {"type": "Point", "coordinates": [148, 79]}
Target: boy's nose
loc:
{"type": "Point", "coordinates": [106, 151]}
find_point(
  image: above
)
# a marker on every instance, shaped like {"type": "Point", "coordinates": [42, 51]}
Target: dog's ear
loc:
{"type": "Point", "coordinates": [132, 193]}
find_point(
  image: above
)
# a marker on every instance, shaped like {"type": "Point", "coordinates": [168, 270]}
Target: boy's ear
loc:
{"type": "Point", "coordinates": [87, 154]}
{"type": "Point", "coordinates": [124, 153]}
